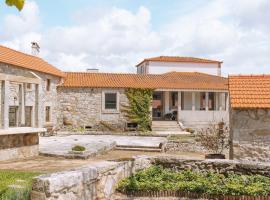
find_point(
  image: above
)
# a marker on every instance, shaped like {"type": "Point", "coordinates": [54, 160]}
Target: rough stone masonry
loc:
{"type": "Point", "coordinates": [251, 134]}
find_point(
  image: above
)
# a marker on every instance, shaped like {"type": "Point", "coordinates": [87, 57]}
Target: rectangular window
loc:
{"type": "Point", "coordinates": [29, 86]}
{"type": "Point", "coordinates": [110, 100]}
{"type": "Point", "coordinates": [48, 85]}
{"type": "Point", "coordinates": [48, 114]}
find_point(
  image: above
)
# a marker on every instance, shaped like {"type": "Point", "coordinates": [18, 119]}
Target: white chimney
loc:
{"type": "Point", "coordinates": [35, 48]}
{"type": "Point", "coordinates": [92, 70]}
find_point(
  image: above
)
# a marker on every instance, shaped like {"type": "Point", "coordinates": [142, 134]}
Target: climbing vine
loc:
{"type": "Point", "coordinates": [138, 110]}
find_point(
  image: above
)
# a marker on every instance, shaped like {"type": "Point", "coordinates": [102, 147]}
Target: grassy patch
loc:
{"type": "Point", "coordinates": [157, 178]}
{"type": "Point", "coordinates": [16, 185]}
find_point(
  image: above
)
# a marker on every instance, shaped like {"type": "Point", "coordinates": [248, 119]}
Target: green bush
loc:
{"type": "Point", "coordinates": [16, 185]}
{"type": "Point", "coordinates": [138, 110]}
{"type": "Point", "coordinates": [157, 178]}
{"type": "Point", "coordinates": [78, 148]}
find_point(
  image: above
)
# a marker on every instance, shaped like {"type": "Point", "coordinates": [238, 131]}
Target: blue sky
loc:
{"type": "Point", "coordinates": [115, 35]}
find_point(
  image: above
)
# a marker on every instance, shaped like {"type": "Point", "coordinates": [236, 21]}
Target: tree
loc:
{"type": "Point", "coordinates": [18, 3]}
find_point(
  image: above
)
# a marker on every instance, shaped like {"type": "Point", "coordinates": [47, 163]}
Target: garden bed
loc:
{"type": "Point", "coordinates": [163, 182]}
{"type": "Point", "coordinates": [16, 185]}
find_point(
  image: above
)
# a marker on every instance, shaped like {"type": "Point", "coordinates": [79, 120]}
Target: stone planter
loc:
{"type": "Point", "coordinates": [215, 156]}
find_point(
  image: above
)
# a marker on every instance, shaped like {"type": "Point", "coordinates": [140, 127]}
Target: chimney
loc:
{"type": "Point", "coordinates": [92, 70]}
{"type": "Point", "coordinates": [35, 48]}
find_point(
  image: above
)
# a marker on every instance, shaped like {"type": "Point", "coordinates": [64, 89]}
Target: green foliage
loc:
{"type": "Point", "coordinates": [78, 148]}
{"type": "Point", "coordinates": [18, 3]}
{"type": "Point", "coordinates": [16, 185]}
{"type": "Point", "coordinates": [157, 178]}
{"type": "Point", "coordinates": [138, 110]}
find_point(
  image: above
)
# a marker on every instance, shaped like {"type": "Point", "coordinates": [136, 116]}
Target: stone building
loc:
{"type": "Point", "coordinates": [28, 101]}
{"type": "Point", "coordinates": [250, 117]}
{"type": "Point", "coordinates": [88, 99]}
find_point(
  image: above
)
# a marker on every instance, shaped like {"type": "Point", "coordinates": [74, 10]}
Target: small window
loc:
{"type": "Point", "coordinates": [29, 86]}
{"type": "Point", "coordinates": [110, 100]}
{"type": "Point", "coordinates": [48, 85]}
{"type": "Point", "coordinates": [48, 114]}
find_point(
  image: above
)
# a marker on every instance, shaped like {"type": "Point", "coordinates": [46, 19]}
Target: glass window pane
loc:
{"type": "Point", "coordinates": [110, 101]}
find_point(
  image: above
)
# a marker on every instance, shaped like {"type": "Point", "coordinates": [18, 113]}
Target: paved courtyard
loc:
{"type": "Point", "coordinates": [94, 144]}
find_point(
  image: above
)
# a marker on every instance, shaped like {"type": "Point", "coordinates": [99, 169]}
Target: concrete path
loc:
{"type": "Point", "coordinates": [95, 144]}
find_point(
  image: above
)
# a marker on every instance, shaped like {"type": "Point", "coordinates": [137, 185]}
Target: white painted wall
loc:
{"type": "Point", "coordinates": [202, 118]}
{"type": "Point", "coordinates": [164, 67]}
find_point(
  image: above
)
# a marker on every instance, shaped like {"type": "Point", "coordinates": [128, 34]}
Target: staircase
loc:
{"type": "Point", "coordinates": [165, 126]}
{"type": "Point", "coordinates": [139, 148]}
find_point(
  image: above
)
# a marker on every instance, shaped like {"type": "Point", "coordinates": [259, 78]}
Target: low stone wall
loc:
{"type": "Point", "coordinates": [184, 146]}
{"type": "Point", "coordinates": [219, 166]}
{"type": "Point", "coordinates": [18, 146]}
{"type": "Point", "coordinates": [99, 180]}
{"type": "Point", "coordinates": [96, 181]}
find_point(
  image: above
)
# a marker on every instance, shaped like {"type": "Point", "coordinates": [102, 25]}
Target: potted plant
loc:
{"type": "Point", "coordinates": [215, 139]}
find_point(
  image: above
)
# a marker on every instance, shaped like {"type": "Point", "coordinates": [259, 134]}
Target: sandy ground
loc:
{"type": "Point", "coordinates": [51, 164]}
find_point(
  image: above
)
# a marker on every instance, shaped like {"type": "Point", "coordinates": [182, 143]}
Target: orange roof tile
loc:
{"type": "Point", "coordinates": [250, 91]}
{"type": "Point", "coordinates": [173, 80]}
{"type": "Point", "coordinates": [178, 59]}
{"type": "Point", "coordinates": [19, 59]}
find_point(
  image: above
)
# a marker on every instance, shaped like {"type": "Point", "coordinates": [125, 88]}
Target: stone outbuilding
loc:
{"type": "Point", "coordinates": [250, 117]}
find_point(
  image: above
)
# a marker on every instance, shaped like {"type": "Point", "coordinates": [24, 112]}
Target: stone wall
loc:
{"type": "Point", "coordinates": [96, 181]}
{"type": "Point", "coordinates": [47, 98]}
{"type": "Point", "coordinates": [100, 179]}
{"type": "Point", "coordinates": [82, 107]}
{"type": "Point", "coordinates": [219, 166]}
{"type": "Point", "coordinates": [251, 134]}
{"type": "Point", "coordinates": [17, 146]}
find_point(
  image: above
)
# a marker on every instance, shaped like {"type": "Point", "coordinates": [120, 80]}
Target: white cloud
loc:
{"type": "Point", "coordinates": [115, 39]}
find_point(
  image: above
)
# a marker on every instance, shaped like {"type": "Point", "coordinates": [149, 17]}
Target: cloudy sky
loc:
{"type": "Point", "coordinates": [114, 35]}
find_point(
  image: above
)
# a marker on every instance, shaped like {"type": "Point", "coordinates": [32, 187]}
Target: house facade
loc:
{"type": "Point", "coordinates": [35, 94]}
{"type": "Point", "coordinates": [250, 117]}
{"type": "Point", "coordinates": [28, 90]}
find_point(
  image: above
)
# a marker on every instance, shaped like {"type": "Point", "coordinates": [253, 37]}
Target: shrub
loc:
{"type": "Point", "coordinates": [157, 178]}
{"type": "Point", "coordinates": [215, 138]}
{"type": "Point", "coordinates": [138, 110]}
{"type": "Point", "coordinates": [78, 148]}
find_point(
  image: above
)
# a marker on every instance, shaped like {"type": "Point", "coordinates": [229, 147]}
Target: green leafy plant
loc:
{"type": "Point", "coordinates": [157, 178]}
{"type": "Point", "coordinates": [18, 3]}
{"type": "Point", "coordinates": [138, 110]}
{"type": "Point", "coordinates": [78, 148]}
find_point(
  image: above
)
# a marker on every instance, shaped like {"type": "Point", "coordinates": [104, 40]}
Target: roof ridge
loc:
{"type": "Point", "coordinates": [27, 54]}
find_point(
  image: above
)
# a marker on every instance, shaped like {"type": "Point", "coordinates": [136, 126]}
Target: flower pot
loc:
{"type": "Point", "coordinates": [215, 156]}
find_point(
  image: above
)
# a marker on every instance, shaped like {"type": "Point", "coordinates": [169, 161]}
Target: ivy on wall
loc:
{"type": "Point", "coordinates": [138, 110]}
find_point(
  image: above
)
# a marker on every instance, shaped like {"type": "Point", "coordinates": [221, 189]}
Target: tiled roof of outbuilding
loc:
{"type": "Point", "coordinates": [173, 80]}
{"type": "Point", "coordinates": [19, 59]}
{"type": "Point", "coordinates": [250, 91]}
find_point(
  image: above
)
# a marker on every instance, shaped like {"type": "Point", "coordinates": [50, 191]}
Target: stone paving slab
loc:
{"type": "Point", "coordinates": [94, 144]}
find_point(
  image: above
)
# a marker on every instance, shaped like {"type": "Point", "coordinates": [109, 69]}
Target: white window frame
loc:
{"type": "Point", "coordinates": [117, 110]}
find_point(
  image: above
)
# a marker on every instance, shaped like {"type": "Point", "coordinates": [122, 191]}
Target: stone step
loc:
{"type": "Point", "coordinates": [138, 146]}
{"type": "Point", "coordinates": [138, 149]}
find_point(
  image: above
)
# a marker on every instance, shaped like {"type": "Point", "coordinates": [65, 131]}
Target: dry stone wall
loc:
{"type": "Point", "coordinates": [251, 134]}
{"type": "Point", "coordinates": [96, 181]}
{"type": "Point", "coordinates": [82, 107]}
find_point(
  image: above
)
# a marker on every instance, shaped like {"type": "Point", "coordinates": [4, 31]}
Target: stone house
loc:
{"type": "Point", "coordinates": [250, 117]}
{"type": "Point", "coordinates": [28, 101]}
{"type": "Point", "coordinates": [35, 94]}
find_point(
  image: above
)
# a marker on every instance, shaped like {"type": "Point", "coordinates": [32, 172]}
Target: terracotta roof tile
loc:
{"type": "Point", "coordinates": [19, 59]}
{"type": "Point", "coordinates": [178, 59]}
{"type": "Point", "coordinates": [173, 80]}
{"type": "Point", "coordinates": [250, 91]}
